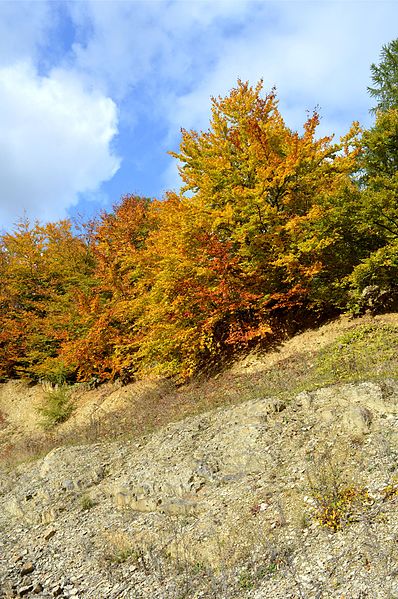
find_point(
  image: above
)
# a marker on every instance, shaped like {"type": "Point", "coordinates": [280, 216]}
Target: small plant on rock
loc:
{"type": "Point", "coordinates": [119, 548]}
{"type": "Point", "coordinates": [336, 501]}
{"type": "Point", "coordinates": [390, 491]}
{"type": "Point", "coordinates": [87, 502]}
{"type": "Point", "coordinates": [246, 580]}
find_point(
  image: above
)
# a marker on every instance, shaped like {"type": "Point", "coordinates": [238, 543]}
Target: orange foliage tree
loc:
{"type": "Point", "coordinates": [43, 268]}
{"type": "Point", "coordinates": [266, 225]}
{"type": "Point", "coordinates": [252, 232]}
{"type": "Point", "coordinates": [106, 348]}
{"type": "Point", "coordinates": [189, 278]}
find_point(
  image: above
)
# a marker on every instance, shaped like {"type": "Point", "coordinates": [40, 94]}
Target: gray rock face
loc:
{"type": "Point", "coordinates": [358, 419]}
{"type": "Point", "coordinates": [223, 500]}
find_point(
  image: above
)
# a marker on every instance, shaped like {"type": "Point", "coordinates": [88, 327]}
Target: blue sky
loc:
{"type": "Point", "coordinates": [93, 94]}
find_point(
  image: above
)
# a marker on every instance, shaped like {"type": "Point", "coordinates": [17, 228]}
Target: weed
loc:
{"type": "Point", "coordinates": [335, 509]}
{"type": "Point", "coordinates": [337, 501]}
{"type": "Point", "coordinates": [87, 502]}
{"type": "Point", "coordinates": [304, 521]}
{"type": "Point", "coordinates": [118, 548]}
{"type": "Point", "coordinates": [390, 491]}
{"type": "Point", "coordinates": [357, 440]}
{"type": "Point", "coordinates": [122, 555]}
{"type": "Point", "coordinates": [369, 350]}
{"type": "Point", "coordinates": [57, 407]}
{"type": "Point", "coordinates": [246, 580]}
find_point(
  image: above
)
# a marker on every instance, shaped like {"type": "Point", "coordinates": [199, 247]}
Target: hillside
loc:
{"type": "Point", "coordinates": [276, 478]}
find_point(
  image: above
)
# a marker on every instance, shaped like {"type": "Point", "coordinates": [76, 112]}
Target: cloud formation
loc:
{"type": "Point", "coordinates": [312, 51]}
{"type": "Point", "coordinates": [55, 142]}
{"type": "Point", "coordinates": [84, 82]}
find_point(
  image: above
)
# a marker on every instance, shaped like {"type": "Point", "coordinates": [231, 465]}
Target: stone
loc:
{"type": "Point", "coordinates": [68, 485]}
{"type": "Point", "coordinates": [27, 568]}
{"type": "Point", "coordinates": [122, 498]}
{"type": "Point", "coordinates": [25, 590]}
{"type": "Point", "coordinates": [48, 516]}
{"type": "Point", "coordinates": [178, 507]}
{"type": "Point", "coordinates": [99, 474]}
{"type": "Point", "coordinates": [144, 504]}
{"type": "Point", "coordinates": [38, 588]}
{"type": "Point", "coordinates": [358, 418]}
{"type": "Point", "coordinates": [15, 510]}
{"type": "Point", "coordinates": [49, 533]}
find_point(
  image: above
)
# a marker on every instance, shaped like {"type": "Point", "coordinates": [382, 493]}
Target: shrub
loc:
{"type": "Point", "coordinates": [373, 282]}
{"type": "Point", "coordinates": [87, 502]}
{"type": "Point", "coordinates": [336, 501]}
{"type": "Point", "coordinates": [57, 407]}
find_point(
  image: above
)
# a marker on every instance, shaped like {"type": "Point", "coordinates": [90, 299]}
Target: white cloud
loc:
{"type": "Point", "coordinates": [55, 142]}
{"type": "Point", "coordinates": [316, 53]}
{"type": "Point", "coordinates": [129, 44]}
{"type": "Point", "coordinates": [24, 27]}
{"type": "Point", "coordinates": [160, 61]}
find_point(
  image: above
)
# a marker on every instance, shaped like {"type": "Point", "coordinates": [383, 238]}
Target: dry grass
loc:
{"type": "Point", "coordinates": [344, 350]}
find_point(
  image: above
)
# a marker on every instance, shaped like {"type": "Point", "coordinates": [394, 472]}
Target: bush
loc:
{"type": "Point", "coordinates": [337, 502]}
{"type": "Point", "coordinates": [373, 282]}
{"type": "Point", "coordinates": [57, 407]}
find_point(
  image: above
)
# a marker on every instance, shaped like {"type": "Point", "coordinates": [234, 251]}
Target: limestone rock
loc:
{"type": "Point", "coordinates": [49, 533]}
{"type": "Point", "coordinates": [38, 588]}
{"type": "Point", "coordinates": [358, 419]}
{"type": "Point", "coordinates": [27, 568]}
{"type": "Point", "coordinates": [219, 500]}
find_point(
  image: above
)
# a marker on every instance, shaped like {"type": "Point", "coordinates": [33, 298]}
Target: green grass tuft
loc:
{"type": "Point", "coordinates": [367, 352]}
{"type": "Point", "coordinates": [57, 407]}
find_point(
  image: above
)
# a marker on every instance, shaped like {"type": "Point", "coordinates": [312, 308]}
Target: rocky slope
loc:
{"type": "Point", "coordinates": [263, 482]}
{"type": "Point", "coordinates": [223, 504]}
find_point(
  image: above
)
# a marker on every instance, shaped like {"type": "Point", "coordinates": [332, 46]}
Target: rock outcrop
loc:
{"type": "Point", "coordinates": [224, 504]}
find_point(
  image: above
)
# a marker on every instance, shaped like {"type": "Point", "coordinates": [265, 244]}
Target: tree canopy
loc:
{"type": "Point", "coordinates": [271, 227]}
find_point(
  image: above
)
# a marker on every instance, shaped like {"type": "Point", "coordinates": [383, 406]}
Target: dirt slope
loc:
{"type": "Point", "coordinates": [272, 497]}
{"type": "Point", "coordinates": [111, 403]}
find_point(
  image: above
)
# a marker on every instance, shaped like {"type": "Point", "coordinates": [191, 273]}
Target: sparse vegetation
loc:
{"type": "Point", "coordinates": [118, 548]}
{"type": "Point", "coordinates": [57, 407]}
{"type": "Point", "coordinates": [87, 502]}
{"type": "Point", "coordinates": [368, 351]}
{"type": "Point", "coordinates": [365, 352]}
{"type": "Point", "coordinates": [365, 346]}
{"type": "Point", "coordinates": [391, 490]}
{"type": "Point", "coordinates": [337, 501]}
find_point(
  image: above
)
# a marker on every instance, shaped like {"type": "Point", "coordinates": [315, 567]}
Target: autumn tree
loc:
{"type": "Point", "coordinates": [268, 187]}
{"type": "Point", "coordinates": [379, 210]}
{"type": "Point", "coordinates": [270, 225]}
{"type": "Point", "coordinates": [251, 233]}
{"type": "Point", "coordinates": [43, 270]}
{"type": "Point", "coordinates": [106, 347]}
{"type": "Point", "coordinates": [191, 281]}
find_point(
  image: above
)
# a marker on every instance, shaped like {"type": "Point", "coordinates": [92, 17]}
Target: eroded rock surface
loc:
{"type": "Point", "coordinates": [219, 505]}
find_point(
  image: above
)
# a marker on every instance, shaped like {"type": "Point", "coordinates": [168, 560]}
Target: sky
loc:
{"type": "Point", "coordinates": [93, 94]}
